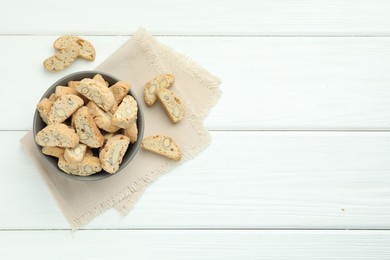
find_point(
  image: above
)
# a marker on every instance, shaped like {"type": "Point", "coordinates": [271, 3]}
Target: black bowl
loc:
{"type": "Point", "coordinates": [38, 125]}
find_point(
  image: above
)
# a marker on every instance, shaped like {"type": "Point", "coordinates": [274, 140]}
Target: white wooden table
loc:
{"type": "Point", "coordinates": [299, 166]}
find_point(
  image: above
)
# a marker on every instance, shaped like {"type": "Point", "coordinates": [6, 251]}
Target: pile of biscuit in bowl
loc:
{"type": "Point", "coordinates": [90, 125]}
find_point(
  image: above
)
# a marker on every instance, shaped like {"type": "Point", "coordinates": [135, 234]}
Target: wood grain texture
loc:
{"type": "Point", "coordinates": [243, 180]}
{"type": "Point", "coordinates": [269, 83]}
{"type": "Point", "coordinates": [236, 17]}
{"type": "Point", "coordinates": [195, 244]}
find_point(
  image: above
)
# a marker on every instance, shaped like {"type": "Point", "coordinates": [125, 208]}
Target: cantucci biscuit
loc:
{"type": "Point", "coordinates": [57, 135]}
{"type": "Point", "coordinates": [151, 88]}
{"type": "Point", "coordinates": [86, 49]}
{"type": "Point", "coordinates": [88, 166]}
{"type": "Point", "coordinates": [171, 104]}
{"type": "Point", "coordinates": [75, 154]}
{"type": "Point", "coordinates": [64, 107]}
{"type": "Point", "coordinates": [53, 97]}
{"type": "Point", "coordinates": [73, 84]}
{"type": "Point", "coordinates": [126, 114]}
{"type": "Point", "coordinates": [86, 129]}
{"type": "Point", "coordinates": [62, 59]}
{"type": "Point", "coordinates": [62, 90]}
{"type": "Point", "coordinates": [100, 78]}
{"type": "Point", "coordinates": [43, 108]}
{"type": "Point", "coordinates": [53, 151]}
{"type": "Point", "coordinates": [162, 145]}
{"type": "Point", "coordinates": [120, 90]}
{"type": "Point", "coordinates": [102, 119]}
{"type": "Point", "coordinates": [112, 153]}
{"type": "Point", "coordinates": [132, 133]}
{"type": "Point", "coordinates": [96, 92]}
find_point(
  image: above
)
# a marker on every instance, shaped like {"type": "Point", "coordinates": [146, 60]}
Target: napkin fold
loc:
{"type": "Point", "coordinates": [140, 59]}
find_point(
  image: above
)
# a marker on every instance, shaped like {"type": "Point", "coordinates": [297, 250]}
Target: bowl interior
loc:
{"type": "Point", "coordinates": [38, 125]}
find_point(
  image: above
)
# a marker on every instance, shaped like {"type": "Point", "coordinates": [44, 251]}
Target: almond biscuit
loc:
{"type": "Point", "coordinates": [171, 104]}
{"type": "Point", "coordinates": [86, 129]}
{"type": "Point", "coordinates": [88, 166]}
{"type": "Point", "coordinates": [75, 154]}
{"type": "Point", "coordinates": [64, 107]}
{"type": "Point", "coordinates": [126, 114]}
{"type": "Point", "coordinates": [162, 145]}
{"type": "Point", "coordinates": [120, 90]}
{"type": "Point", "coordinates": [96, 92]}
{"type": "Point", "coordinates": [43, 108]}
{"type": "Point", "coordinates": [57, 135]}
{"type": "Point", "coordinates": [112, 153]}
{"type": "Point", "coordinates": [151, 88]}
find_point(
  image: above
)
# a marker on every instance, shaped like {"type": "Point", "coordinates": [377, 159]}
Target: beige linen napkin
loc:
{"type": "Point", "coordinates": [140, 59]}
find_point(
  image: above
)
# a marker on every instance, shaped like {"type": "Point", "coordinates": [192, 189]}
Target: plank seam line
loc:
{"type": "Point", "coordinates": [196, 229]}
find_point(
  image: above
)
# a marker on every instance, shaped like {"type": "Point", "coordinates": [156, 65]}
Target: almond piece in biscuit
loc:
{"type": "Point", "coordinates": [102, 119]}
{"type": "Point", "coordinates": [162, 145]}
{"type": "Point", "coordinates": [43, 108]}
{"type": "Point", "coordinates": [132, 133]}
{"type": "Point", "coordinates": [75, 154]}
{"type": "Point", "coordinates": [151, 88]}
{"type": "Point", "coordinates": [53, 151]}
{"type": "Point", "coordinates": [96, 92]}
{"type": "Point", "coordinates": [86, 49]}
{"type": "Point", "coordinates": [112, 153]}
{"type": "Point", "coordinates": [88, 166]}
{"type": "Point", "coordinates": [120, 90]}
{"type": "Point", "coordinates": [64, 107]}
{"type": "Point", "coordinates": [126, 114]}
{"type": "Point", "coordinates": [171, 104]}
{"type": "Point", "coordinates": [100, 78]}
{"type": "Point", "coordinates": [61, 59]}
{"type": "Point", "coordinates": [86, 128]}
{"type": "Point", "coordinates": [57, 135]}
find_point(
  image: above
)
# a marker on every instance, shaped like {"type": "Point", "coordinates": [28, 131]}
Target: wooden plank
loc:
{"type": "Point", "coordinates": [236, 17]}
{"type": "Point", "coordinates": [268, 83]}
{"type": "Point", "coordinates": [195, 244]}
{"type": "Point", "coordinates": [243, 180]}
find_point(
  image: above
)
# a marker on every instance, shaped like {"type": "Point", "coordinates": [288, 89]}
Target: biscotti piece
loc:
{"type": "Point", "coordinates": [64, 107]}
{"type": "Point", "coordinates": [100, 78]}
{"type": "Point", "coordinates": [88, 166]}
{"type": "Point", "coordinates": [112, 153]}
{"type": "Point", "coordinates": [171, 104]}
{"type": "Point", "coordinates": [132, 133]}
{"type": "Point", "coordinates": [62, 90]}
{"type": "Point", "coordinates": [162, 145]}
{"type": "Point", "coordinates": [102, 119]}
{"type": "Point", "coordinates": [73, 84]}
{"type": "Point", "coordinates": [75, 154]}
{"type": "Point", "coordinates": [61, 59]}
{"type": "Point", "coordinates": [53, 97]}
{"type": "Point", "coordinates": [120, 90]}
{"type": "Point", "coordinates": [151, 88]}
{"type": "Point", "coordinates": [53, 151]}
{"type": "Point", "coordinates": [57, 135]}
{"type": "Point", "coordinates": [86, 49]}
{"type": "Point", "coordinates": [97, 92]}
{"type": "Point", "coordinates": [86, 128]}
{"type": "Point", "coordinates": [126, 114]}
{"type": "Point", "coordinates": [43, 108]}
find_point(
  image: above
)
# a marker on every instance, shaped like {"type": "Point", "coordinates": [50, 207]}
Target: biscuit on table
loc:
{"type": "Point", "coordinates": [112, 153]}
{"type": "Point", "coordinates": [171, 104]}
{"type": "Point", "coordinates": [151, 87]}
{"type": "Point", "coordinates": [57, 135]}
{"type": "Point", "coordinates": [86, 128]}
{"type": "Point", "coordinates": [86, 49]}
{"type": "Point", "coordinates": [162, 145]}
{"type": "Point", "coordinates": [62, 59]}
